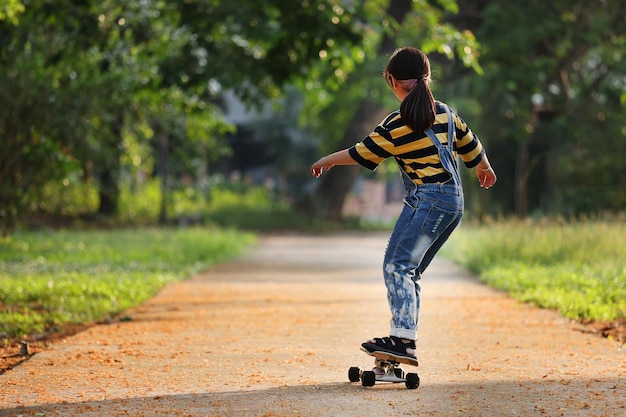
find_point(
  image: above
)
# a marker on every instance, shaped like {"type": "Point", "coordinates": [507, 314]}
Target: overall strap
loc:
{"type": "Point", "coordinates": [451, 129]}
{"type": "Point", "coordinates": [446, 154]}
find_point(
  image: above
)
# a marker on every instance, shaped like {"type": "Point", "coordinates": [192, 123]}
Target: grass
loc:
{"type": "Point", "coordinates": [237, 205]}
{"type": "Point", "coordinates": [576, 268]}
{"type": "Point", "coordinates": [48, 279]}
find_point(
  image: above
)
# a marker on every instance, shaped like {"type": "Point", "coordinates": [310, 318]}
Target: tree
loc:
{"type": "Point", "coordinates": [255, 48]}
{"type": "Point", "coordinates": [553, 85]}
{"type": "Point", "coordinates": [40, 102]}
{"type": "Point", "coordinates": [75, 71]}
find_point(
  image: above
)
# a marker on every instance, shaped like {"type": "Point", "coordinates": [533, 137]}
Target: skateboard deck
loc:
{"type": "Point", "coordinates": [391, 358]}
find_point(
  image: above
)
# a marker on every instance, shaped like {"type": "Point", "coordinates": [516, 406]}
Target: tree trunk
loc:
{"type": "Point", "coordinates": [163, 171]}
{"type": "Point", "coordinates": [337, 183]}
{"type": "Point", "coordinates": [521, 180]}
{"type": "Point", "coordinates": [109, 192]}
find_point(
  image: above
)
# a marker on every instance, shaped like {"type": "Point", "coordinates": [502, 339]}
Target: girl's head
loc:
{"type": "Point", "coordinates": [408, 69]}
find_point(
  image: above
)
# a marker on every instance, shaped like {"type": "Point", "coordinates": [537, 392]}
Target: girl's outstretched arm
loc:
{"type": "Point", "coordinates": [338, 158]}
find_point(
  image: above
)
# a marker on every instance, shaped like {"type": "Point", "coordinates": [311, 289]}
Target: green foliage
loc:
{"type": "Point", "coordinates": [10, 10]}
{"type": "Point", "coordinates": [43, 102]}
{"type": "Point", "coordinates": [139, 203]}
{"type": "Point", "coordinates": [254, 209]}
{"type": "Point", "coordinates": [69, 197]}
{"type": "Point", "coordinates": [273, 41]}
{"type": "Point", "coordinates": [84, 83]}
{"type": "Point", "coordinates": [577, 268]}
{"type": "Point", "coordinates": [549, 103]}
{"type": "Point", "coordinates": [48, 279]}
{"type": "Point", "coordinates": [94, 91]}
{"type": "Point", "coordinates": [235, 205]}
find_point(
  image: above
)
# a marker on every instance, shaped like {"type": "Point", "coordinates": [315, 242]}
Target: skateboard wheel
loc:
{"type": "Point", "coordinates": [368, 379]}
{"type": "Point", "coordinates": [354, 374]}
{"type": "Point", "coordinates": [412, 381]}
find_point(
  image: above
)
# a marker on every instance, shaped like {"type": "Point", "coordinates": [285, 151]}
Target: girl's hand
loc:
{"type": "Point", "coordinates": [318, 167]}
{"type": "Point", "coordinates": [486, 177]}
{"type": "Point", "coordinates": [338, 158]}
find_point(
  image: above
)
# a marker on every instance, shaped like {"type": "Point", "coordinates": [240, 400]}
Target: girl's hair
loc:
{"type": "Point", "coordinates": [410, 67]}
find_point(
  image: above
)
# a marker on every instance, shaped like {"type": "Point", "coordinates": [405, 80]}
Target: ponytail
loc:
{"type": "Point", "coordinates": [418, 107]}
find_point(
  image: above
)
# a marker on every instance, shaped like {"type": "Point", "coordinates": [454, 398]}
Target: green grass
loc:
{"type": "Point", "coordinates": [236, 205]}
{"type": "Point", "coordinates": [577, 268]}
{"type": "Point", "coordinates": [48, 279]}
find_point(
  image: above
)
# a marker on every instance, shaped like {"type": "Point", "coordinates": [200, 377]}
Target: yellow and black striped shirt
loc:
{"type": "Point", "coordinates": [414, 151]}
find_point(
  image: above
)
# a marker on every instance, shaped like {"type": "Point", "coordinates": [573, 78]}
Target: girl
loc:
{"type": "Point", "coordinates": [424, 137]}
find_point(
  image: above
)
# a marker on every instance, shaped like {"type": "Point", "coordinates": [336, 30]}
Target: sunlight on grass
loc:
{"type": "Point", "coordinates": [53, 278]}
{"type": "Point", "coordinates": [578, 269]}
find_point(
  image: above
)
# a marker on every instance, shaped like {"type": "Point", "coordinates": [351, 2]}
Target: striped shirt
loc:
{"type": "Point", "coordinates": [414, 151]}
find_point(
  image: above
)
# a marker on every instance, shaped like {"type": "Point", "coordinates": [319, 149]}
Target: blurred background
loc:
{"type": "Point", "coordinates": [117, 112]}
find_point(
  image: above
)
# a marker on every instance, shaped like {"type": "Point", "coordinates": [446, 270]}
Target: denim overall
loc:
{"type": "Point", "coordinates": [430, 213]}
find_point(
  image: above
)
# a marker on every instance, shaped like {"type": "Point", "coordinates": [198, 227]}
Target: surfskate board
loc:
{"type": "Point", "coordinates": [386, 369]}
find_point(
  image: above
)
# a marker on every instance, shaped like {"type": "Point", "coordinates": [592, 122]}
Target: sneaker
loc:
{"type": "Point", "coordinates": [393, 346]}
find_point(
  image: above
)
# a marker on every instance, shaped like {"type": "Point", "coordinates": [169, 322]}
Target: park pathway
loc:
{"type": "Point", "coordinates": [274, 333]}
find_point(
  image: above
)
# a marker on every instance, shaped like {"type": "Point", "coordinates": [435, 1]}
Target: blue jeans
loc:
{"type": "Point", "coordinates": [430, 214]}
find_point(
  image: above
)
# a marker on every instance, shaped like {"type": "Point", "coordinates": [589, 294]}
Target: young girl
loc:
{"type": "Point", "coordinates": [424, 137]}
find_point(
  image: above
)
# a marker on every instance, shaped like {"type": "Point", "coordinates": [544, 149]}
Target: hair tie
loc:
{"type": "Point", "coordinates": [408, 84]}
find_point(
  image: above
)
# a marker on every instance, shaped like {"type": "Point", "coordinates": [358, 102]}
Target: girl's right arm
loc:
{"type": "Point", "coordinates": [338, 158]}
{"type": "Point", "coordinates": [485, 173]}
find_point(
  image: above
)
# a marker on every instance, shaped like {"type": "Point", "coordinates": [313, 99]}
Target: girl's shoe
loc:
{"type": "Point", "coordinates": [393, 346]}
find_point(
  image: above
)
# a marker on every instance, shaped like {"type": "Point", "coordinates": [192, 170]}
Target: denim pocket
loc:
{"type": "Point", "coordinates": [411, 201]}
{"type": "Point", "coordinates": [437, 220]}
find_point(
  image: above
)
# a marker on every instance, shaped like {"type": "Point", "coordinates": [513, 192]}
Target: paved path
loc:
{"type": "Point", "coordinates": [275, 333]}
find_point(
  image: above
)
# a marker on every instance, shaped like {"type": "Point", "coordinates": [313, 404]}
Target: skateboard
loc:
{"type": "Point", "coordinates": [386, 369]}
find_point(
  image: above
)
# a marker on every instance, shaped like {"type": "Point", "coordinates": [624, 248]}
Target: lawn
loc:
{"type": "Point", "coordinates": [53, 278]}
{"type": "Point", "coordinates": [576, 268]}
